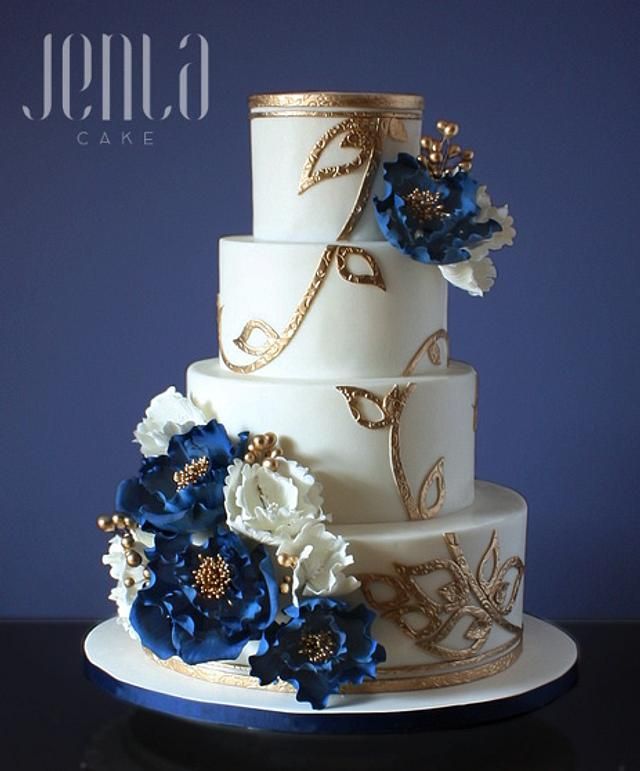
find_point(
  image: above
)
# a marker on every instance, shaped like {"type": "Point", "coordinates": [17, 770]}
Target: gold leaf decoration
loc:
{"type": "Point", "coordinates": [358, 133]}
{"type": "Point", "coordinates": [464, 597]}
{"type": "Point", "coordinates": [397, 130]}
{"type": "Point", "coordinates": [244, 344]}
{"type": "Point", "coordinates": [391, 406]}
{"type": "Point", "coordinates": [356, 397]}
{"type": "Point", "coordinates": [435, 476]}
{"type": "Point", "coordinates": [343, 261]}
{"type": "Point", "coordinates": [431, 349]}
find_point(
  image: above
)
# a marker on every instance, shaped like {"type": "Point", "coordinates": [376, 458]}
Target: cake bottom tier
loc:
{"type": "Point", "coordinates": [447, 593]}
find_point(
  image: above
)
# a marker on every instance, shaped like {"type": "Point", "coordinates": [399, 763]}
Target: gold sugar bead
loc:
{"type": "Point", "coordinates": [251, 447]}
{"type": "Point", "coordinates": [467, 155]}
{"type": "Point", "coordinates": [270, 438]}
{"type": "Point", "coordinates": [134, 560]}
{"type": "Point", "coordinates": [464, 166]}
{"type": "Point", "coordinates": [426, 143]}
{"type": "Point", "coordinates": [451, 129]}
{"type": "Point", "coordinates": [128, 541]}
{"type": "Point", "coordinates": [276, 452]}
{"type": "Point", "coordinates": [250, 458]}
{"type": "Point", "coordinates": [105, 523]}
{"type": "Point", "coordinates": [282, 559]}
{"type": "Point", "coordinates": [441, 125]}
{"type": "Point", "coordinates": [258, 442]}
{"type": "Point", "coordinates": [285, 588]}
{"type": "Point", "coordinates": [117, 520]}
{"type": "Point", "coordinates": [423, 160]}
{"type": "Point", "coordinates": [146, 573]}
{"type": "Point", "coordinates": [454, 150]}
{"type": "Point", "coordinates": [435, 157]}
{"type": "Point", "coordinates": [128, 582]}
{"type": "Point", "coordinates": [271, 464]}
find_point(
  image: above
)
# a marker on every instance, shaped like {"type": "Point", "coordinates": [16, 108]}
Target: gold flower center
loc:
{"type": "Point", "coordinates": [424, 205]}
{"type": "Point", "coordinates": [212, 577]}
{"type": "Point", "coordinates": [318, 646]}
{"type": "Point", "coordinates": [191, 473]}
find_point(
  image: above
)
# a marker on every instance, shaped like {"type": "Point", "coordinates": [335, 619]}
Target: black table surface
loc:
{"type": "Point", "coordinates": [52, 718]}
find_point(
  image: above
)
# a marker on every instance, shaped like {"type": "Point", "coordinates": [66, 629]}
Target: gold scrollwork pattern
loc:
{"type": "Point", "coordinates": [389, 411]}
{"type": "Point", "coordinates": [430, 348]}
{"type": "Point", "coordinates": [364, 133]}
{"type": "Point", "coordinates": [274, 343]}
{"type": "Point", "coordinates": [481, 599]}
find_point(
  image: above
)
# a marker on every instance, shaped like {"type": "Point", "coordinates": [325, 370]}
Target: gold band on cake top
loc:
{"type": "Point", "coordinates": [337, 99]}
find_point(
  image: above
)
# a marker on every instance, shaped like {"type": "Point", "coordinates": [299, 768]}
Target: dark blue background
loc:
{"type": "Point", "coordinates": [109, 262]}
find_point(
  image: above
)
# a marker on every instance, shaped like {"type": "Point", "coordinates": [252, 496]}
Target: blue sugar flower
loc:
{"type": "Point", "coordinates": [324, 644]}
{"type": "Point", "coordinates": [204, 603]}
{"type": "Point", "coordinates": [431, 220]}
{"type": "Point", "coordinates": [182, 491]}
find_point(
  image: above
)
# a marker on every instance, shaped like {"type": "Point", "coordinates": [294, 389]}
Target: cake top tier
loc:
{"type": "Point", "coordinates": [312, 100]}
{"type": "Point", "coordinates": [317, 161]}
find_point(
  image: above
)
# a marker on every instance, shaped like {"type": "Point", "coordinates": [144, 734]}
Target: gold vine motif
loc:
{"type": "Point", "coordinates": [274, 343]}
{"type": "Point", "coordinates": [391, 407]}
{"type": "Point", "coordinates": [365, 133]}
{"type": "Point", "coordinates": [485, 598]}
{"type": "Point", "coordinates": [431, 348]}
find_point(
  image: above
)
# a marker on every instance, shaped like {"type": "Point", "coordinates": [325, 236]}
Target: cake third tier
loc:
{"type": "Point", "coordinates": [385, 449]}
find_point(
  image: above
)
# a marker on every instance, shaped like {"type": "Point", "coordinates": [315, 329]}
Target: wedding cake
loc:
{"type": "Point", "coordinates": [306, 516]}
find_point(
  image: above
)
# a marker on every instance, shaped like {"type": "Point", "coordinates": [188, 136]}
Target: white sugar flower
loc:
{"type": "Point", "coordinates": [168, 414]}
{"type": "Point", "coordinates": [128, 579]}
{"type": "Point", "coordinates": [320, 558]}
{"type": "Point", "coordinates": [271, 506]}
{"type": "Point", "coordinates": [477, 275]}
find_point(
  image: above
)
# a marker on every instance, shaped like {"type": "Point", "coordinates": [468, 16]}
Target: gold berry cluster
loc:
{"type": "Point", "coordinates": [191, 472]}
{"type": "Point", "coordinates": [264, 449]}
{"type": "Point", "coordinates": [286, 561]}
{"type": "Point", "coordinates": [318, 647]}
{"type": "Point", "coordinates": [441, 157]}
{"type": "Point", "coordinates": [122, 526]}
{"type": "Point", "coordinates": [212, 577]}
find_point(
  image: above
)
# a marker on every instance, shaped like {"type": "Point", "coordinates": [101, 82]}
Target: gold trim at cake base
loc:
{"type": "Point", "coordinates": [314, 99]}
{"type": "Point", "coordinates": [390, 679]}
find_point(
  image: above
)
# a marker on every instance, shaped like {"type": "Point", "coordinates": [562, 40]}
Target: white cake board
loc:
{"type": "Point", "coordinates": [545, 669]}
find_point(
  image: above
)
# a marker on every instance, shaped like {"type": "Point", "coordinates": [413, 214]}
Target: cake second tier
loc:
{"type": "Point", "coordinates": [385, 449]}
{"type": "Point", "coordinates": [329, 310]}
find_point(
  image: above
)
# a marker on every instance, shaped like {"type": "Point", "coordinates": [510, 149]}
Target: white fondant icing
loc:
{"type": "Point", "coordinates": [280, 146]}
{"type": "Point", "coordinates": [314, 423]}
{"type": "Point", "coordinates": [351, 330]}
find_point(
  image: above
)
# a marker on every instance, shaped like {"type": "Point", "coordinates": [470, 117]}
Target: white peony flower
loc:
{"type": "Point", "coordinates": [271, 506]}
{"type": "Point", "coordinates": [123, 595]}
{"type": "Point", "coordinates": [477, 275]}
{"type": "Point", "coordinates": [321, 557]}
{"type": "Point", "coordinates": [168, 414]}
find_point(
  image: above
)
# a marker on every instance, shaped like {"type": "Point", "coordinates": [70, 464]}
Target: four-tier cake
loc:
{"type": "Point", "coordinates": [306, 517]}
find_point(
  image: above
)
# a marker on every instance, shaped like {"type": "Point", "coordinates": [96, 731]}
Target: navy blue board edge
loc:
{"type": "Point", "coordinates": [458, 716]}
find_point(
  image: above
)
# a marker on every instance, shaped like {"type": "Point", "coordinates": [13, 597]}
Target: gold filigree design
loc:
{"type": "Point", "coordinates": [374, 278]}
{"type": "Point", "coordinates": [389, 679]}
{"type": "Point", "coordinates": [338, 99]}
{"type": "Point", "coordinates": [274, 343]}
{"type": "Point", "coordinates": [390, 409]}
{"type": "Point", "coordinates": [484, 598]}
{"type": "Point", "coordinates": [364, 132]}
{"type": "Point", "coordinates": [431, 348]}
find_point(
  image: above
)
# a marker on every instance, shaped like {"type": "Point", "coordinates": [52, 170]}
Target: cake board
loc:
{"type": "Point", "coordinates": [546, 668]}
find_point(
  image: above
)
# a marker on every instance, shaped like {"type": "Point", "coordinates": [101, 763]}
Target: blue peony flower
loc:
{"type": "Point", "coordinates": [182, 491]}
{"type": "Point", "coordinates": [324, 644]}
{"type": "Point", "coordinates": [205, 602]}
{"type": "Point", "coordinates": [431, 220]}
